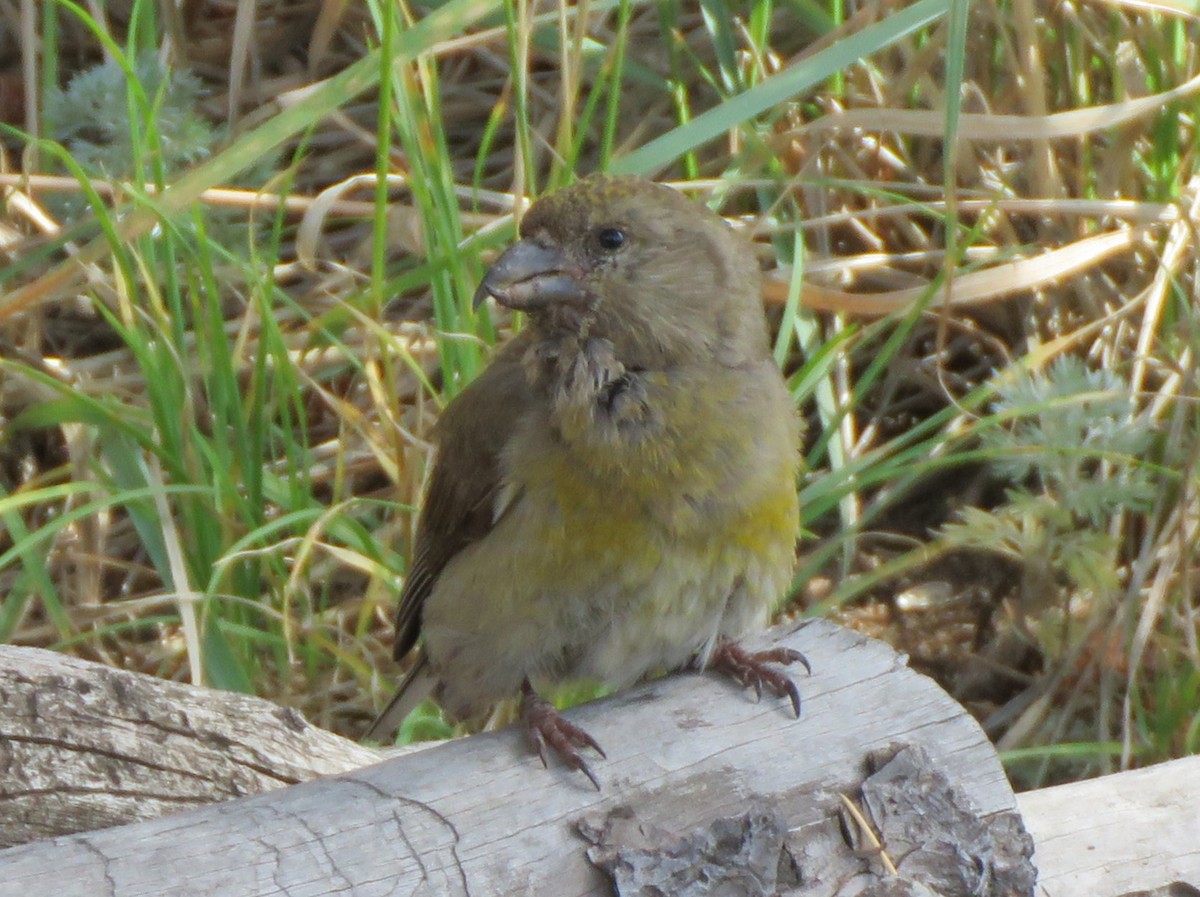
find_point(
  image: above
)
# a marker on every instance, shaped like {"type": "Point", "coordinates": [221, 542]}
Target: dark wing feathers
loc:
{"type": "Point", "coordinates": [466, 478]}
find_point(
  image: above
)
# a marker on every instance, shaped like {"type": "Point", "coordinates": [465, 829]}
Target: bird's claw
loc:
{"type": "Point", "coordinates": [750, 669]}
{"type": "Point", "coordinates": [545, 726]}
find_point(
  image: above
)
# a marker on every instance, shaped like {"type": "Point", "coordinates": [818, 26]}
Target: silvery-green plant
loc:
{"type": "Point", "coordinates": [1071, 441]}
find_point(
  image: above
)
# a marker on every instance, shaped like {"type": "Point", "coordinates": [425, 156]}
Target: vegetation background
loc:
{"type": "Point", "coordinates": [239, 239]}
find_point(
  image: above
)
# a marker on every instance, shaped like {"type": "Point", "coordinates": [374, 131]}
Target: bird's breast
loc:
{"type": "Point", "coordinates": [716, 460]}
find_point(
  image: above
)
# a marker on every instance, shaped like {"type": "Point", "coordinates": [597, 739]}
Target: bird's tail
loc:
{"type": "Point", "coordinates": [416, 686]}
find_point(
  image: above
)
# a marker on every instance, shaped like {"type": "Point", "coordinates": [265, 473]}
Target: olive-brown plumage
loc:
{"type": "Point", "coordinates": [615, 495]}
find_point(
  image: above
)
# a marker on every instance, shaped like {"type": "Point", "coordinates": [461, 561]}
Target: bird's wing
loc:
{"type": "Point", "coordinates": [466, 480]}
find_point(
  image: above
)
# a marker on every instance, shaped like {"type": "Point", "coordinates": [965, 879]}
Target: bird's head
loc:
{"type": "Point", "coordinates": [661, 277]}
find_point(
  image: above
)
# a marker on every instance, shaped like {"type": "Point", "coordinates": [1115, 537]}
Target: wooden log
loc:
{"type": "Point", "coordinates": [1121, 834]}
{"type": "Point", "coordinates": [84, 746]}
{"type": "Point", "coordinates": [699, 777]}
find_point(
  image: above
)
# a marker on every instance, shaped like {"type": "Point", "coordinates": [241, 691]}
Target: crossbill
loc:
{"type": "Point", "coordinates": [615, 496]}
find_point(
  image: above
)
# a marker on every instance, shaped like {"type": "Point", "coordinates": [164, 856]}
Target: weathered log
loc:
{"type": "Point", "coordinates": [1134, 833]}
{"type": "Point", "coordinates": [699, 777]}
{"type": "Point", "coordinates": [84, 746]}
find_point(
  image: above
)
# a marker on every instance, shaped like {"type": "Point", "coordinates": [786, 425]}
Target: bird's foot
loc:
{"type": "Point", "coordinates": [545, 726]}
{"type": "Point", "coordinates": [750, 669]}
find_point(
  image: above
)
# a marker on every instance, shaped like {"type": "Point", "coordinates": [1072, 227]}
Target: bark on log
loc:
{"type": "Point", "coordinates": [700, 779]}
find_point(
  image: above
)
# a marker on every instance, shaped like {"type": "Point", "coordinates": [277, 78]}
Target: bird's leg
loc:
{"type": "Point", "coordinates": [545, 726]}
{"type": "Point", "coordinates": [750, 668]}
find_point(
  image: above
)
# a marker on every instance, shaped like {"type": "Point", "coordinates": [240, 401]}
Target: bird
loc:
{"type": "Point", "coordinates": [615, 496]}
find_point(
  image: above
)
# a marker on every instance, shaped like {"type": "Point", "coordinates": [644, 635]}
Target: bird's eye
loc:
{"type": "Point", "coordinates": [610, 238]}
